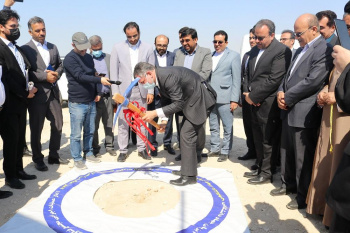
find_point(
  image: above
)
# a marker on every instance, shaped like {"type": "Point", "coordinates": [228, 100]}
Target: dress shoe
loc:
{"type": "Point", "coordinates": [278, 191]}
{"type": "Point", "coordinates": [259, 180]}
{"type": "Point", "coordinates": [27, 152]}
{"type": "Point", "coordinates": [57, 161]}
{"type": "Point", "coordinates": [41, 166]}
{"type": "Point", "coordinates": [178, 158]}
{"type": "Point", "coordinates": [222, 158]}
{"type": "Point", "coordinates": [184, 180]}
{"type": "Point", "coordinates": [247, 157]}
{"type": "Point", "coordinates": [154, 153]}
{"type": "Point", "coordinates": [14, 183]}
{"type": "Point", "coordinates": [169, 149]}
{"type": "Point", "coordinates": [122, 157]}
{"type": "Point", "coordinates": [24, 176]}
{"type": "Point", "coordinates": [176, 173]}
{"type": "Point", "coordinates": [254, 167]}
{"type": "Point", "coordinates": [5, 194]}
{"type": "Point", "coordinates": [293, 205]}
{"type": "Point", "coordinates": [213, 154]}
{"type": "Point", "coordinates": [143, 154]}
{"type": "Point", "coordinates": [251, 174]}
{"type": "Point", "coordinates": [112, 152]}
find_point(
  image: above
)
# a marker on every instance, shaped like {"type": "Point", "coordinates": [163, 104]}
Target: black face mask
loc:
{"type": "Point", "coordinates": [14, 34]}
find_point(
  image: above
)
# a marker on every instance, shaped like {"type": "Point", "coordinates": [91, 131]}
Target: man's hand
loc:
{"type": "Point", "coordinates": [330, 99]}
{"type": "Point", "coordinates": [9, 3]}
{"type": "Point", "coordinates": [162, 126]}
{"type": "Point", "coordinates": [341, 57]}
{"type": "Point", "coordinates": [97, 98]}
{"type": "Point", "coordinates": [247, 98]}
{"type": "Point", "coordinates": [233, 106]}
{"type": "Point", "coordinates": [51, 76]}
{"type": "Point", "coordinates": [104, 81]}
{"type": "Point", "coordinates": [32, 92]}
{"type": "Point", "coordinates": [321, 98]}
{"type": "Point", "coordinates": [149, 115]}
{"type": "Point", "coordinates": [280, 101]}
{"type": "Point", "coordinates": [150, 98]}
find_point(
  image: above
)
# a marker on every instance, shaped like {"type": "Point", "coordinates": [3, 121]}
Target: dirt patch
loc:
{"type": "Point", "coordinates": [136, 198]}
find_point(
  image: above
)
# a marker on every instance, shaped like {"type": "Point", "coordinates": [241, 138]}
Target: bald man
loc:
{"type": "Point", "coordinates": [164, 58]}
{"type": "Point", "coordinates": [300, 115]}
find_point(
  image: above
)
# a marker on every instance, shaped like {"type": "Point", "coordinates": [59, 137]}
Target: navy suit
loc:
{"type": "Point", "coordinates": [157, 104]}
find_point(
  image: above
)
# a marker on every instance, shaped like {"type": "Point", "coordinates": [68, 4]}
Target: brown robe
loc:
{"type": "Point", "coordinates": [326, 162]}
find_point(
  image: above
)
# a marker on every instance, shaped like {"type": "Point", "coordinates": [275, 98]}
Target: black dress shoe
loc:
{"type": "Point", "coordinates": [169, 149]}
{"type": "Point", "coordinates": [24, 176]}
{"type": "Point", "coordinates": [122, 157]}
{"type": "Point", "coordinates": [222, 158]}
{"type": "Point", "coordinates": [5, 194]}
{"type": "Point", "coordinates": [251, 174]}
{"type": "Point", "coordinates": [144, 155]}
{"type": "Point", "coordinates": [260, 180]}
{"type": "Point", "coordinates": [176, 173]}
{"type": "Point", "coordinates": [14, 183]}
{"type": "Point", "coordinates": [278, 191]}
{"type": "Point", "coordinates": [247, 157]}
{"type": "Point", "coordinates": [213, 154]}
{"type": "Point", "coordinates": [41, 166]}
{"type": "Point", "coordinates": [293, 205]}
{"type": "Point", "coordinates": [154, 153]}
{"type": "Point", "coordinates": [184, 180]}
{"type": "Point", "coordinates": [254, 167]}
{"type": "Point", "coordinates": [178, 158]}
{"type": "Point", "coordinates": [57, 161]}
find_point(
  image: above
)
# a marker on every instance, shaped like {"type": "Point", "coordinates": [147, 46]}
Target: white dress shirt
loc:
{"type": "Point", "coordinates": [161, 59]}
{"type": "Point", "coordinates": [134, 56]}
{"type": "Point", "coordinates": [2, 89]}
{"type": "Point", "coordinates": [259, 55]}
{"type": "Point", "coordinates": [216, 58]}
{"type": "Point", "coordinates": [44, 51]}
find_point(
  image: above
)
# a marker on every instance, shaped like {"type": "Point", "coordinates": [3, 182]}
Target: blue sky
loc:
{"type": "Point", "coordinates": [107, 18]}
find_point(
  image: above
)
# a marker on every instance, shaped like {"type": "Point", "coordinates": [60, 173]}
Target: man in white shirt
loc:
{"type": "Point", "coordinates": [46, 69]}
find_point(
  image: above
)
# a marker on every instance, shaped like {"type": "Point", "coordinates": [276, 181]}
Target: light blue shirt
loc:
{"type": "Point", "coordinates": [101, 67]}
{"type": "Point", "coordinates": [189, 59]}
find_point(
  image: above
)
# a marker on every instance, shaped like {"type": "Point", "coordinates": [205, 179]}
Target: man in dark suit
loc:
{"type": "Point", "coordinates": [188, 93]}
{"type": "Point", "coordinates": [300, 115]}
{"type": "Point", "coordinates": [104, 107]}
{"type": "Point", "coordinates": [46, 69]}
{"type": "Point", "coordinates": [246, 108]}
{"type": "Point", "coordinates": [13, 115]}
{"type": "Point", "coordinates": [267, 65]}
{"type": "Point", "coordinates": [327, 26]}
{"type": "Point", "coordinates": [288, 38]}
{"type": "Point", "coordinates": [164, 58]}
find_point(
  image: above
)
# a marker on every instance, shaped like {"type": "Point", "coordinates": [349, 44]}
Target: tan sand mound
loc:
{"type": "Point", "coordinates": [136, 198]}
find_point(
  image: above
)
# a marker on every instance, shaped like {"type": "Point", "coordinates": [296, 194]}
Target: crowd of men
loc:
{"type": "Point", "coordinates": [282, 91]}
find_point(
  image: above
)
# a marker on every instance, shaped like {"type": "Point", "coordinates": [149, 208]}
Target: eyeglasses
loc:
{"type": "Point", "coordinates": [260, 38]}
{"type": "Point", "coordinates": [299, 34]}
{"type": "Point", "coordinates": [284, 39]}
{"type": "Point", "coordinates": [162, 45]}
{"type": "Point", "coordinates": [186, 40]}
{"type": "Point", "coordinates": [218, 42]}
{"type": "Point", "coordinates": [252, 38]}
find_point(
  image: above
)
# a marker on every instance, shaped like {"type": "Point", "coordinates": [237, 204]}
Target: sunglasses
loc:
{"type": "Point", "coordinates": [260, 38]}
{"type": "Point", "coordinates": [299, 34]}
{"type": "Point", "coordinates": [218, 42]}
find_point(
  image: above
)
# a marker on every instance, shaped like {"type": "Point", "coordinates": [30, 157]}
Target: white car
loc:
{"type": "Point", "coordinates": [63, 85]}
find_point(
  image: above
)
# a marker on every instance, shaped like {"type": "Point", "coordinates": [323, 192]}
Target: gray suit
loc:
{"type": "Point", "coordinates": [302, 118]}
{"type": "Point", "coordinates": [202, 61]}
{"type": "Point", "coordinates": [190, 94]}
{"type": "Point", "coordinates": [46, 103]}
{"type": "Point", "coordinates": [121, 70]}
{"type": "Point", "coordinates": [226, 81]}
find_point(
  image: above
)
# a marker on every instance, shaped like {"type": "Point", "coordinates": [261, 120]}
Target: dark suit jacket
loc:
{"type": "Point", "coordinates": [334, 41]}
{"type": "Point", "coordinates": [187, 91]}
{"type": "Point", "coordinates": [263, 81]}
{"type": "Point", "coordinates": [169, 58]}
{"type": "Point", "coordinates": [37, 72]}
{"type": "Point", "coordinates": [13, 80]}
{"type": "Point", "coordinates": [306, 80]}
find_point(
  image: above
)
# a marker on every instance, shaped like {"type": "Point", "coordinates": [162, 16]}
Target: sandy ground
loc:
{"type": "Point", "coordinates": [264, 213]}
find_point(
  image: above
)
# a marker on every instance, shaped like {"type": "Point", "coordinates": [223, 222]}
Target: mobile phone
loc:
{"type": "Point", "coordinates": [342, 32]}
{"type": "Point", "coordinates": [101, 74]}
{"type": "Point", "coordinates": [18, 0]}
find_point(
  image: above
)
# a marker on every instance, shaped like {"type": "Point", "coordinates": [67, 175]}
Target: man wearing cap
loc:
{"type": "Point", "coordinates": [82, 95]}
